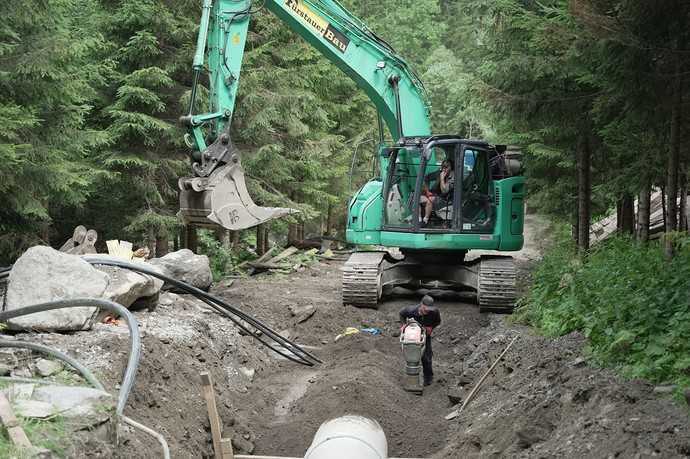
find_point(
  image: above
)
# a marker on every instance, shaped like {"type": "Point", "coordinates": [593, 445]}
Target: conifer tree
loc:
{"type": "Point", "coordinates": [48, 81]}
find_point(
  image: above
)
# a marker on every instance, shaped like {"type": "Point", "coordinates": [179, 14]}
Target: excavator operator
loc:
{"type": "Point", "coordinates": [428, 317]}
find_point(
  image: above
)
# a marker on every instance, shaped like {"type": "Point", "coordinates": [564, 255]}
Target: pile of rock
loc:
{"type": "Point", "coordinates": [43, 274]}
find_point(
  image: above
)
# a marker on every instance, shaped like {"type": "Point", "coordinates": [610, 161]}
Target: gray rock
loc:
{"type": "Point", "coordinates": [186, 266]}
{"type": "Point", "coordinates": [248, 373]}
{"type": "Point", "coordinates": [76, 402]}
{"type": "Point", "coordinates": [125, 286]}
{"type": "Point", "coordinates": [8, 357]}
{"type": "Point", "coordinates": [47, 368]}
{"type": "Point", "coordinates": [19, 391]}
{"type": "Point", "coordinates": [303, 313]}
{"type": "Point", "coordinates": [21, 373]}
{"type": "Point", "coordinates": [43, 274]}
{"type": "Point", "coordinates": [5, 369]}
{"type": "Point", "coordinates": [664, 390]}
{"type": "Point", "coordinates": [168, 299]}
{"type": "Point", "coordinates": [456, 395]}
{"type": "Point", "coordinates": [242, 444]}
{"type": "Point", "coordinates": [34, 409]}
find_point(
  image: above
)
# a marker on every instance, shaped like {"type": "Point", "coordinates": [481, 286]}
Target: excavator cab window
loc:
{"type": "Point", "coordinates": [478, 209]}
{"type": "Point", "coordinates": [400, 186]}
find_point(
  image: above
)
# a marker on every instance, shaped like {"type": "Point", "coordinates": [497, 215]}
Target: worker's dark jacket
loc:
{"type": "Point", "coordinates": [431, 319]}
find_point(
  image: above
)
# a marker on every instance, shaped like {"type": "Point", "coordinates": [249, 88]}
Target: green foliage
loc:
{"type": "Point", "coordinates": [223, 260]}
{"type": "Point", "coordinates": [632, 304]}
{"type": "Point", "coordinates": [48, 433]}
{"type": "Point", "coordinates": [48, 84]}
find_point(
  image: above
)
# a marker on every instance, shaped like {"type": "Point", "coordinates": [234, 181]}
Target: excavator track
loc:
{"type": "Point", "coordinates": [497, 289]}
{"type": "Point", "coordinates": [362, 279]}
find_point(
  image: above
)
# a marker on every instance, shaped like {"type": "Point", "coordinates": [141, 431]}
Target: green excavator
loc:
{"type": "Point", "coordinates": [436, 196]}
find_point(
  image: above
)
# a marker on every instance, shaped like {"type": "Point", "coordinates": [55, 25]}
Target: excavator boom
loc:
{"type": "Point", "coordinates": [216, 194]}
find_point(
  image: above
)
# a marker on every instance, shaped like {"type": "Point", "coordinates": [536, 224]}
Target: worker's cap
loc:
{"type": "Point", "coordinates": [427, 300]}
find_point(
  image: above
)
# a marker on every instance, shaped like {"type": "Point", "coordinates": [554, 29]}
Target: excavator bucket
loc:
{"type": "Point", "coordinates": [222, 199]}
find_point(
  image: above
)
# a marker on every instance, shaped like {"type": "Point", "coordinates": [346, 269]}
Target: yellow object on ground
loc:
{"type": "Point", "coordinates": [348, 331]}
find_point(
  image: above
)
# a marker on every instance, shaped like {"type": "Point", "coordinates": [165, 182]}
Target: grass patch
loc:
{"type": "Point", "coordinates": [631, 303]}
{"type": "Point", "coordinates": [50, 434]}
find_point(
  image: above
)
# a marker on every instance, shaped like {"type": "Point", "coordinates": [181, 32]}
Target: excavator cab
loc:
{"type": "Point", "coordinates": [443, 185]}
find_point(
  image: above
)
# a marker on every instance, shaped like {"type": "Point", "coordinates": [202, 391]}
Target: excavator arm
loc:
{"type": "Point", "coordinates": [216, 194]}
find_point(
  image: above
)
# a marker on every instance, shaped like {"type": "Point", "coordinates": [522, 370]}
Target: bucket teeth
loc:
{"type": "Point", "coordinates": [222, 199]}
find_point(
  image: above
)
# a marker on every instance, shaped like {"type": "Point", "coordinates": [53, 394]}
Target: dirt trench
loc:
{"type": "Point", "coordinates": [543, 400]}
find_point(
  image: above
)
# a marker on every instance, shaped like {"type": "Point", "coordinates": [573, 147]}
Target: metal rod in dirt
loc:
{"type": "Point", "coordinates": [475, 389]}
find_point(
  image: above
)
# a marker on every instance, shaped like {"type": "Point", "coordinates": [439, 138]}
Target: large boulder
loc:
{"type": "Point", "coordinates": [186, 266]}
{"type": "Point", "coordinates": [44, 274]}
{"type": "Point", "coordinates": [125, 286]}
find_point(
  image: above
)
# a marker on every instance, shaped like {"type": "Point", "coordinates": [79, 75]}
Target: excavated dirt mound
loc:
{"type": "Point", "coordinates": [544, 400]}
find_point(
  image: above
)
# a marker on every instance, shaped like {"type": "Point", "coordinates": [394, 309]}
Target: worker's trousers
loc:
{"type": "Point", "coordinates": [426, 360]}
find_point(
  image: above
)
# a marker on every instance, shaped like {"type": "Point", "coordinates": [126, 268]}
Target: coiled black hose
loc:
{"type": "Point", "coordinates": [299, 355]}
{"type": "Point", "coordinates": [135, 350]}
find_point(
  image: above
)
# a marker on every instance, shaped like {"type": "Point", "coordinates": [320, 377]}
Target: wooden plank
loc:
{"type": "Point", "coordinates": [284, 254]}
{"type": "Point", "coordinates": [226, 448]}
{"type": "Point", "coordinates": [265, 266]}
{"type": "Point", "coordinates": [14, 429]}
{"type": "Point", "coordinates": [210, 397]}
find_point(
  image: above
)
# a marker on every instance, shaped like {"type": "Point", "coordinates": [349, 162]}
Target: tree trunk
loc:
{"type": "Point", "coordinates": [176, 241]}
{"type": "Point", "coordinates": [683, 204]}
{"type": "Point", "coordinates": [260, 244]}
{"type": "Point", "coordinates": [223, 236]}
{"type": "Point", "coordinates": [643, 205]}
{"type": "Point", "coordinates": [162, 248]}
{"type": "Point", "coordinates": [584, 193]}
{"type": "Point", "coordinates": [626, 222]}
{"type": "Point", "coordinates": [235, 238]}
{"type": "Point", "coordinates": [266, 239]}
{"type": "Point", "coordinates": [151, 243]}
{"type": "Point", "coordinates": [673, 163]}
{"type": "Point", "coordinates": [191, 238]}
{"type": "Point", "coordinates": [663, 206]}
{"type": "Point", "coordinates": [292, 233]}
{"type": "Point", "coordinates": [329, 217]}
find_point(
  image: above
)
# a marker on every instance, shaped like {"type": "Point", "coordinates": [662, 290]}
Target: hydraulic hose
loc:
{"type": "Point", "coordinates": [85, 372]}
{"type": "Point", "coordinates": [153, 433]}
{"type": "Point", "coordinates": [135, 348]}
{"type": "Point", "coordinates": [299, 355]}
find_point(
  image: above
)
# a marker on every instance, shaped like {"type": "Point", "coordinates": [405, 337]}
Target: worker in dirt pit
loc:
{"type": "Point", "coordinates": [428, 317]}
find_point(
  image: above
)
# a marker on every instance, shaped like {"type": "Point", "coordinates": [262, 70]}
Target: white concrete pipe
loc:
{"type": "Point", "coordinates": [349, 437]}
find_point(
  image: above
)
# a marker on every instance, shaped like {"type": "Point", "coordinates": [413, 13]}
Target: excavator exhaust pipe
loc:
{"type": "Point", "coordinates": [222, 199]}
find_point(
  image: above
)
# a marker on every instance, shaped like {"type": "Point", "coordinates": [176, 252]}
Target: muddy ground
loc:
{"type": "Point", "coordinates": [544, 400]}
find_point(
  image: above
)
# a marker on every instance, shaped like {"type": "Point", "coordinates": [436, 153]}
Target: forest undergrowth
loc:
{"type": "Point", "coordinates": [631, 303]}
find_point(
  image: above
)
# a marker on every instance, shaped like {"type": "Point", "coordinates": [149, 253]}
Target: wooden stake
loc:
{"type": "Point", "coordinates": [210, 397]}
{"type": "Point", "coordinates": [226, 447]}
{"type": "Point", "coordinates": [9, 420]}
